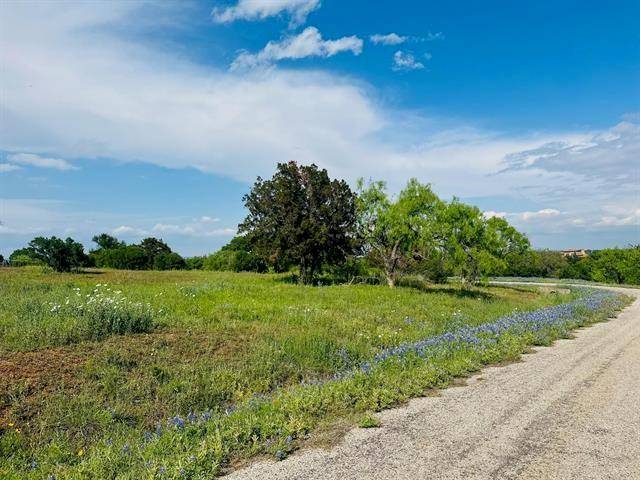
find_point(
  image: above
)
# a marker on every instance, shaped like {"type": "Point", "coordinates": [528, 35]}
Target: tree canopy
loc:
{"type": "Point", "coordinates": [301, 216]}
{"type": "Point", "coordinates": [60, 255]}
{"type": "Point", "coordinates": [395, 233]}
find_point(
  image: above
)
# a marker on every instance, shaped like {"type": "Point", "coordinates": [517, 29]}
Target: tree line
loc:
{"type": "Point", "coordinates": [302, 220]}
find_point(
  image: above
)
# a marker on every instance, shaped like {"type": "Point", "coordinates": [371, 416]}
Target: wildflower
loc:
{"type": "Point", "coordinates": [18, 430]}
{"type": "Point", "coordinates": [280, 455]}
{"type": "Point", "coordinates": [81, 452]}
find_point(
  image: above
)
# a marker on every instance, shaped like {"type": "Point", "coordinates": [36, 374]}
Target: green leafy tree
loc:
{"type": "Point", "coordinates": [168, 261]}
{"type": "Point", "coordinates": [397, 233]}
{"type": "Point", "coordinates": [106, 241]}
{"type": "Point", "coordinates": [60, 255]}
{"type": "Point", "coordinates": [238, 256]}
{"type": "Point", "coordinates": [194, 263]}
{"type": "Point", "coordinates": [152, 247]}
{"type": "Point", "coordinates": [474, 245]}
{"type": "Point", "coordinates": [301, 216]}
{"type": "Point", "coordinates": [128, 257]}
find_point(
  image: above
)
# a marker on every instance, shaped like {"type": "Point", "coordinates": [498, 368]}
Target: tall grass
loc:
{"type": "Point", "coordinates": [230, 365]}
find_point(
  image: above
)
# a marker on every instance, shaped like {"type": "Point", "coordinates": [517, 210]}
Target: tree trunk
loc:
{"type": "Point", "coordinates": [306, 273]}
{"type": "Point", "coordinates": [391, 281]}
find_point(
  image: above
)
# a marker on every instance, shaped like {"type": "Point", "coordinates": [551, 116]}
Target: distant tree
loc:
{"type": "Point", "coordinates": [551, 263]}
{"type": "Point", "coordinates": [505, 243]}
{"type": "Point", "coordinates": [397, 233]}
{"type": "Point", "coordinates": [194, 263]}
{"type": "Point", "coordinates": [23, 257]}
{"type": "Point", "coordinates": [168, 261]}
{"type": "Point", "coordinates": [301, 216]}
{"type": "Point", "coordinates": [238, 256]}
{"type": "Point", "coordinates": [61, 255]}
{"type": "Point", "coordinates": [153, 247]}
{"type": "Point", "coordinates": [2, 261]}
{"type": "Point", "coordinates": [128, 257]}
{"type": "Point", "coordinates": [106, 241]}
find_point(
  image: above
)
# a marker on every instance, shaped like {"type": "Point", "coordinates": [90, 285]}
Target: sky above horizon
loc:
{"type": "Point", "coordinates": [153, 118]}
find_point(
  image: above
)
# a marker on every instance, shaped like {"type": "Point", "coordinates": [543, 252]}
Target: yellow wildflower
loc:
{"type": "Point", "coordinates": [11, 424]}
{"type": "Point", "coordinates": [81, 452]}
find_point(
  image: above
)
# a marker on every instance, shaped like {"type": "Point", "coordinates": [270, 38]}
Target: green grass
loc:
{"type": "Point", "coordinates": [83, 381]}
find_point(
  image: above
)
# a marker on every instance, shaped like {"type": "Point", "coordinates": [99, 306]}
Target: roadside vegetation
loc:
{"type": "Point", "coordinates": [184, 374]}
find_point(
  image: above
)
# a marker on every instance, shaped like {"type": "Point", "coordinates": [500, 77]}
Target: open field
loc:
{"type": "Point", "coordinates": [121, 374]}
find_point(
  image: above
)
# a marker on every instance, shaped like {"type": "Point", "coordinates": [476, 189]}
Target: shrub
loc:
{"type": "Point", "coordinates": [129, 257]}
{"type": "Point", "coordinates": [104, 312]}
{"type": "Point", "coordinates": [194, 263]}
{"type": "Point", "coordinates": [22, 260]}
{"type": "Point", "coordinates": [169, 261]}
{"type": "Point", "coordinates": [236, 256]}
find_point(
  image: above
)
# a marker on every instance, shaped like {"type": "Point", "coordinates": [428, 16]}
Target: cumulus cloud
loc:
{"type": "Point", "coordinates": [404, 61]}
{"type": "Point", "coordinates": [388, 39]}
{"type": "Point", "coordinates": [194, 229]}
{"type": "Point", "coordinates": [296, 10]}
{"type": "Point", "coordinates": [308, 43]}
{"type": "Point", "coordinates": [200, 227]}
{"type": "Point", "coordinates": [103, 95]}
{"type": "Point", "coordinates": [40, 162]}
{"type": "Point", "coordinates": [127, 230]}
{"type": "Point", "coordinates": [8, 167]}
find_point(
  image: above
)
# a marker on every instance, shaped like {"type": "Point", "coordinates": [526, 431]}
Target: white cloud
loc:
{"type": "Point", "coordinates": [434, 36]}
{"type": "Point", "coordinates": [631, 219]}
{"type": "Point", "coordinates": [388, 39]}
{"type": "Point", "coordinates": [206, 219]}
{"type": "Point", "coordinates": [493, 213]}
{"type": "Point", "coordinates": [308, 43]}
{"type": "Point", "coordinates": [40, 162]}
{"type": "Point", "coordinates": [127, 230]}
{"type": "Point", "coordinates": [544, 213]}
{"type": "Point", "coordinates": [8, 167]}
{"type": "Point", "coordinates": [404, 61]}
{"type": "Point", "coordinates": [297, 10]}
{"type": "Point", "coordinates": [192, 230]}
{"type": "Point", "coordinates": [101, 95]}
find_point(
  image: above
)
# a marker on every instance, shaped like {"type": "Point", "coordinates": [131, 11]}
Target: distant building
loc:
{"type": "Point", "coordinates": [579, 253]}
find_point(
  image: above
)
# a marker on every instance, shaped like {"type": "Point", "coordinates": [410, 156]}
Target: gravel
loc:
{"type": "Point", "coordinates": [570, 411]}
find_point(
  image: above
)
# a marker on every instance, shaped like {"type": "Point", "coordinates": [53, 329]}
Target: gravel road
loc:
{"type": "Point", "coordinates": [570, 411]}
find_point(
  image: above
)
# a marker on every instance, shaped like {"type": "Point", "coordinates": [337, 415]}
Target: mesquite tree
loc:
{"type": "Point", "coordinates": [396, 232]}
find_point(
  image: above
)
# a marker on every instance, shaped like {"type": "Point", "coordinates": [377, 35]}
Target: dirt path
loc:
{"type": "Point", "coordinates": [571, 411]}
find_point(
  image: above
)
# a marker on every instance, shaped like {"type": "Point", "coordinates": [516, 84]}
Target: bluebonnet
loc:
{"type": "Point", "coordinates": [558, 316]}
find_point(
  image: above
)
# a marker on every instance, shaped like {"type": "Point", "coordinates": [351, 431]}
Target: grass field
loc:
{"type": "Point", "coordinates": [120, 374]}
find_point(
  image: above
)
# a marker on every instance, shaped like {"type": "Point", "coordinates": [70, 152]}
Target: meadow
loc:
{"type": "Point", "coordinates": [185, 374]}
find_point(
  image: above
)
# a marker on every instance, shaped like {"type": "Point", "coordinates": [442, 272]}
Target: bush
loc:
{"type": "Point", "coordinates": [194, 263]}
{"type": "Point", "coordinates": [103, 313]}
{"type": "Point", "coordinates": [236, 256]}
{"type": "Point", "coordinates": [169, 261]}
{"type": "Point", "coordinates": [130, 257]}
{"type": "Point", "coordinates": [22, 260]}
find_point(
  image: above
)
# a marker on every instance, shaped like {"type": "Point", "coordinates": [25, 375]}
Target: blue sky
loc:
{"type": "Point", "coordinates": [153, 118]}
